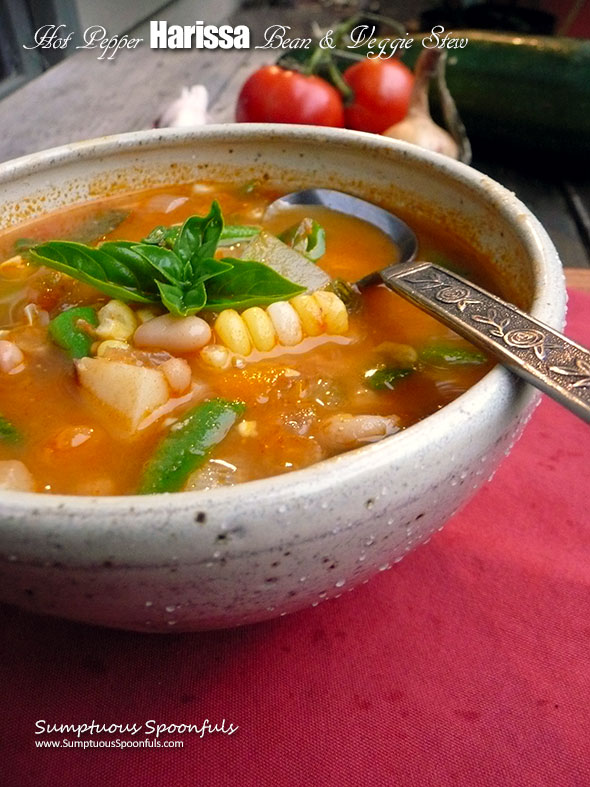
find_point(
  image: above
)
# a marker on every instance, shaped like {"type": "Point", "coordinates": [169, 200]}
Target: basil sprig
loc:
{"type": "Point", "coordinates": [173, 265]}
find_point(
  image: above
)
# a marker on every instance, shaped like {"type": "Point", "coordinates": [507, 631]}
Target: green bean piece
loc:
{"type": "Point", "coordinates": [448, 355]}
{"type": "Point", "coordinates": [385, 377]}
{"type": "Point", "coordinates": [68, 330]}
{"type": "Point", "coordinates": [8, 431]}
{"type": "Point", "coordinates": [188, 445]}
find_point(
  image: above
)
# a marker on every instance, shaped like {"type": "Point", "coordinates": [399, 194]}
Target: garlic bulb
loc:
{"type": "Point", "coordinates": [418, 126]}
{"type": "Point", "coordinates": [423, 131]}
{"type": "Point", "coordinates": [189, 109]}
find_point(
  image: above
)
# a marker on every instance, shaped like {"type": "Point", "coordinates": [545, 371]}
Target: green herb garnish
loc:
{"type": "Point", "coordinates": [173, 265]}
{"type": "Point", "coordinates": [384, 378]}
{"type": "Point", "coordinates": [8, 431]}
{"type": "Point", "coordinates": [447, 354]}
{"type": "Point", "coordinates": [230, 234]}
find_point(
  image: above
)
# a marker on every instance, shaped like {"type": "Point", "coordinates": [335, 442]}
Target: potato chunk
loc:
{"type": "Point", "coordinates": [132, 391]}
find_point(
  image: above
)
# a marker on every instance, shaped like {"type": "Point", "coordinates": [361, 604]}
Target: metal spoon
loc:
{"type": "Point", "coordinates": [529, 348]}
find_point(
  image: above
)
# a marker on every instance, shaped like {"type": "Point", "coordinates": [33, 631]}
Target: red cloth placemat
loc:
{"type": "Point", "coordinates": [467, 664]}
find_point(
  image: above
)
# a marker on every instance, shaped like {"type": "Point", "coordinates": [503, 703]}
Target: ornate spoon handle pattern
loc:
{"type": "Point", "coordinates": [532, 350]}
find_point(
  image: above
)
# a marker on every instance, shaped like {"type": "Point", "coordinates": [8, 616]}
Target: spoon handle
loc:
{"type": "Point", "coordinates": [532, 350]}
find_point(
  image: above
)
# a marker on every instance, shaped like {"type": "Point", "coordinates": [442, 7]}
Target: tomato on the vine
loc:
{"type": "Point", "coordinates": [381, 94]}
{"type": "Point", "coordinates": [276, 95]}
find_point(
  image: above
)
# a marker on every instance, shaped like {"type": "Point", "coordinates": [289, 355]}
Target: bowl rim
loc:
{"type": "Point", "coordinates": [546, 306]}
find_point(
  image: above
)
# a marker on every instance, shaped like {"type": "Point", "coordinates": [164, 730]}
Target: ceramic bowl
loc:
{"type": "Point", "coordinates": [231, 556]}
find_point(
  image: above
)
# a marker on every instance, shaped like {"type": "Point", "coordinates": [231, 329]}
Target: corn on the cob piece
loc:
{"type": "Point", "coordinates": [282, 322]}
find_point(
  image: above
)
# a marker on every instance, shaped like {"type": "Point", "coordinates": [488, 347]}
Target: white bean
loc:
{"type": "Point", "coordinates": [15, 477]}
{"type": "Point", "coordinates": [178, 374]}
{"type": "Point", "coordinates": [344, 431]}
{"type": "Point", "coordinates": [11, 356]}
{"type": "Point", "coordinates": [175, 334]}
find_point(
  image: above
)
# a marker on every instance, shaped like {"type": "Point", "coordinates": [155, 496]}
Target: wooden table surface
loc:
{"type": "Point", "coordinates": [83, 97]}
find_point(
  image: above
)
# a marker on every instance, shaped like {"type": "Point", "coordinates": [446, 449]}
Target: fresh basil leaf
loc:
{"type": "Point", "coordinates": [163, 236]}
{"type": "Point", "coordinates": [208, 268]}
{"type": "Point", "coordinates": [92, 266]}
{"type": "Point", "coordinates": [164, 261]}
{"type": "Point", "coordinates": [230, 234]}
{"type": "Point", "coordinates": [248, 283]}
{"type": "Point", "coordinates": [171, 295]}
{"type": "Point", "coordinates": [182, 303]}
{"type": "Point", "coordinates": [123, 250]}
{"type": "Point", "coordinates": [184, 278]}
{"type": "Point", "coordinates": [199, 235]}
{"type": "Point", "coordinates": [195, 298]}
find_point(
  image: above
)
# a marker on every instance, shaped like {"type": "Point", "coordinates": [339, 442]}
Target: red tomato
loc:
{"type": "Point", "coordinates": [381, 94]}
{"type": "Point", "coordinates": [275, 95]}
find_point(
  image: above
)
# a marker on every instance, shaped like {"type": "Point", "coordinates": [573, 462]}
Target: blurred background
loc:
{"type": "Point", "coordinates": [526, 107]}
{"type": "Point", "coordinates": [19, 19]}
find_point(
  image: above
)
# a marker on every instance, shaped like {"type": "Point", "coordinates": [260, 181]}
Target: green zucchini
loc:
{"type": "Point", "coordinates": [524, 93]}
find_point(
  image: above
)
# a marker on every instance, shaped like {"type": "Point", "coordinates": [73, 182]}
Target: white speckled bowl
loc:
{"type": "Point", "coordinates": [225, 557]}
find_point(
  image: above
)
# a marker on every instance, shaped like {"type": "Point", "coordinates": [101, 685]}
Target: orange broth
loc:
{"type": "Point", "coordinates": [74, 445]}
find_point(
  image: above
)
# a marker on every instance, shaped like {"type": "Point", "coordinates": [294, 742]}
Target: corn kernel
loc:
{"type": "Point", "coordinates": [110, 344]}
{"type": "Point", "coordinates": [146, 313]}
{"type": "Point", "coordinates": [260, 328]}
{"type": "Point", "coordinates": [116, 321]}
{"type": "Point", "coordinates": [216, 356]}
{"type": "Point", "coordinates": [333, 311]}
{"type": "Point", "coordinates": [15, 268]}
{"type": "Point", "coordinates": [286, 323]}
{"type": "Point", "coordinates": [309, 313]}
{"type": "Point", "coordinates": [232, 331]}
{"type": "Point", "coordinates": [248, 428]}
